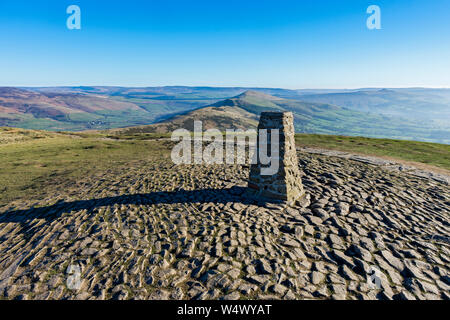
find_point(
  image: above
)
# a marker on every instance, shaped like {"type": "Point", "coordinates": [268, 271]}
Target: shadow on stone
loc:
{"type": "Point", "coordinates": [50, 213]}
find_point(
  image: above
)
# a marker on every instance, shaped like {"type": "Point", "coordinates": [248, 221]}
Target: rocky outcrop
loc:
{"type": "Point", "coordinates": [149, 230]}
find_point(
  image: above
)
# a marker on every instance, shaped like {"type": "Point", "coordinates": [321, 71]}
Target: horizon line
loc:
{"type": "Point", "coordinates": [227, 87]}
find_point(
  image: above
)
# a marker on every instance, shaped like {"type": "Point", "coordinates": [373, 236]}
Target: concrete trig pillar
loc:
{"type": "Point", "coordinates": [285, 184]}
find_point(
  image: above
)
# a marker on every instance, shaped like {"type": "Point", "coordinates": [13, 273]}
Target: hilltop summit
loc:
{"type": "Point", "coordinates": [257, 94]}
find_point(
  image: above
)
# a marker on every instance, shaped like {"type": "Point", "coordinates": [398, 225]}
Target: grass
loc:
{"type": "Point", "coordinates": [433, 154]}
{"type": "Point", "coordinates": [34, 164]}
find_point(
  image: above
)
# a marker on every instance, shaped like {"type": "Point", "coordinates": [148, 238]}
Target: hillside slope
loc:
{"type": "Point", "coordinates": [421, 114]}
{"type": "Point", "coordinates": [65, 111]}
{"type": "Point", "coordinates": [222, 118]}
{"type": "Point", "coordinates": [427, 104]}
{"type": "Point", "coordinates": [242, 111]}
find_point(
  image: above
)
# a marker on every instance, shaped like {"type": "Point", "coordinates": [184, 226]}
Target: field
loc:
{"type": "Point", "coordinates": [35, 164]}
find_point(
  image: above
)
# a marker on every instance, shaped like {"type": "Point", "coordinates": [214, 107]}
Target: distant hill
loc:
{"type": "Point", "coordinates": [431, 105]}
{"type": "Point", "coordinates": [243, 111]}
{"type": "Point", "coordinates": [212, 117]}
{"type": "Point", "coordinates": [62, 111]}
{"type": "Point", "coordinates": [411, 113]}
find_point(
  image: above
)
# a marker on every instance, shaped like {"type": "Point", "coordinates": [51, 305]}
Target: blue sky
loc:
{"type": "Point", "coordinates": [289, 44]}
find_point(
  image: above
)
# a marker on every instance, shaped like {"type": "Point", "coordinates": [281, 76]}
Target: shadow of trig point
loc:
{"type": "Point", "coordinates": [285, 184]}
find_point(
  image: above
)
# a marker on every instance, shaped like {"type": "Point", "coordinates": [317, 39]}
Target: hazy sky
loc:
{"type": "Point", "coordinates": [290, 44]}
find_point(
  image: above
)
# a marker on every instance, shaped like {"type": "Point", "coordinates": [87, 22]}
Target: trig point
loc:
{"type": "Point", "coordinates": [285, 184]}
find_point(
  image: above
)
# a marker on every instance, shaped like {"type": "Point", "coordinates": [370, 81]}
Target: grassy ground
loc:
{"type": "Point", "coordinates": [38, 163]}
{"type": "Point", "coordinates": [433, 154]}
{"type": "Point", "coordinates": [35, 163]}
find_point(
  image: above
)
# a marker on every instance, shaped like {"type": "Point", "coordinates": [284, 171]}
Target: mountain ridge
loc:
{"type": "Point", "coordinates": [242, 112]}
{"type": "Point", "coordinates": [411, 113]}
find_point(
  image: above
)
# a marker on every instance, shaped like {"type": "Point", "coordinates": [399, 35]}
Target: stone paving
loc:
{"type": "Point", "coordinates": [156, 231]}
